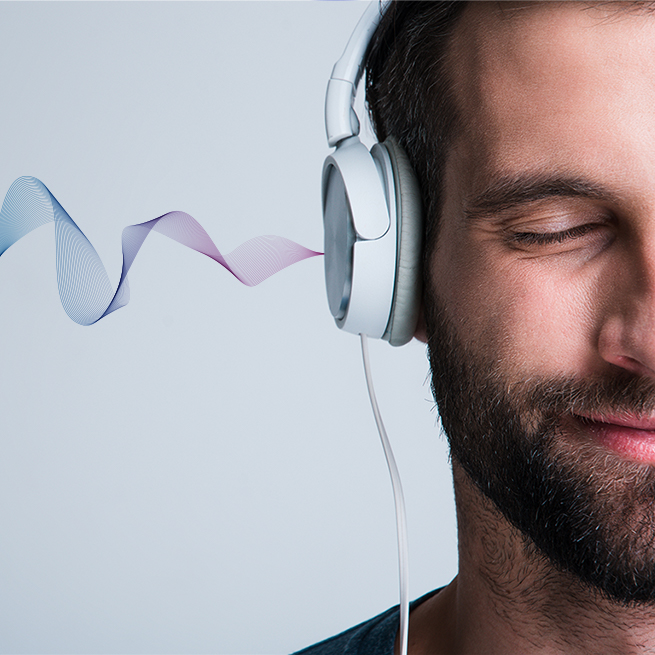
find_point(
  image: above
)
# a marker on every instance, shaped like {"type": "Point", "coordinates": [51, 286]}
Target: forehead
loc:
{"type": "Point", "coordinates": [556, 86]}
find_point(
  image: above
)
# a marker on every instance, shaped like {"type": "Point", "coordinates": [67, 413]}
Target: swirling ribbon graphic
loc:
{"type": "Point", "coordinates": [84, 288]}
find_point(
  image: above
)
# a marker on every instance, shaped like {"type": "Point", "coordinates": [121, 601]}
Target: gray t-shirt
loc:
{"type": "Point", "coordinates": [374, 637]}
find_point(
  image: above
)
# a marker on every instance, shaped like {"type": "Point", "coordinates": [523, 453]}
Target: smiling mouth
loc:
{"type": "Point", "coordinates": [631, 437]}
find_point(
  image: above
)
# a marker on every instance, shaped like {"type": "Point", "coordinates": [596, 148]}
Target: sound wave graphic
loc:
{"type": "Point", "coordinates": [84, 288]}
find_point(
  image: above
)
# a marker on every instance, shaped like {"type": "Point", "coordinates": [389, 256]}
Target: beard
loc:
{"type": "Point", "coordinates": [590, 512]}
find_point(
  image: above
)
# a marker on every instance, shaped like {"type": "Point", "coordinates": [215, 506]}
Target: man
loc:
{"type": "Point", "coordinates": [531, 128]}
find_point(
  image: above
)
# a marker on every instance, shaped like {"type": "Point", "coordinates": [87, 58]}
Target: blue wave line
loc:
{"type": "Point", "coordinates": [84, 287]}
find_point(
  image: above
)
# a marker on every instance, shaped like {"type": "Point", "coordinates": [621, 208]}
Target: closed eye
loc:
{"type": "Point", "coordinates": [546, 238]}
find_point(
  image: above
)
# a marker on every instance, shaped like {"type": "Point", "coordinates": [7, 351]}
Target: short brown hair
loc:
{"type": "Point", "coordinates": [409, 95]}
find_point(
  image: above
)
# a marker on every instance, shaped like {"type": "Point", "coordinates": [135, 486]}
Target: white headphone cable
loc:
{"type": "Point", "coordinates": [399, 501]}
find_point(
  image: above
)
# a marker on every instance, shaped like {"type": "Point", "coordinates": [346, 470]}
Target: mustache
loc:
{"type": "Point", "coordinates": [619, 394]}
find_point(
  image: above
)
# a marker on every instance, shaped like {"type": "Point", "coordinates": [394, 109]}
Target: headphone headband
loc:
{"type": "Point", "coordinates": [340, 119]}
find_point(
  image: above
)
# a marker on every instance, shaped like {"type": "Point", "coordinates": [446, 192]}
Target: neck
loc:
{"type": "Point", "coordinates": [508, 598]}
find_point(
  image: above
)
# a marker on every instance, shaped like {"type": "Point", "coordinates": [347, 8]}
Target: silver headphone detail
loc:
{"type": "Point", "coordinates": [372, 212]}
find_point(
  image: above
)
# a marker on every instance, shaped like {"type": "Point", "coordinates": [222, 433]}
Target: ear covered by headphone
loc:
{"type": "Point", "coordinates": [372, 213]}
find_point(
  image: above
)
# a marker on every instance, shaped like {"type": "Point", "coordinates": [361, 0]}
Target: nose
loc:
{"type": "Point", "coordinates": [627, 336]}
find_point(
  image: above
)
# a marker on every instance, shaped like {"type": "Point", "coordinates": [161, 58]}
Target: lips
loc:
{"type": "Point", "coordinates": [632, 437]}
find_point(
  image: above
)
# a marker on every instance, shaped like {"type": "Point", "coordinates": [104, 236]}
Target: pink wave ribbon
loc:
{"type": "Point", "coordinates": [84, 288]}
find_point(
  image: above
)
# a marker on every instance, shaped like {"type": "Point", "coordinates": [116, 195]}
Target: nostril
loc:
{"type": "Point", "coordinates": [629, 343]}
{"type": "Point", "coordinates": [633, 365]}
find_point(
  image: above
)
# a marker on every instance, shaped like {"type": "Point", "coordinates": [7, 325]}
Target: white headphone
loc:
{"type": "Point", "coordinates": [372, 212]}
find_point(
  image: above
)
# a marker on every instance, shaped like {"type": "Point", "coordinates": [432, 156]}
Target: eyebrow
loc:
{"type": "Point", "coordinates": [512, 192]}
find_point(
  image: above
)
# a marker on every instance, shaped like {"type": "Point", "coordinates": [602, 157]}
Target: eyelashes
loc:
{"type": "Point", "coordinates": [548, 238]}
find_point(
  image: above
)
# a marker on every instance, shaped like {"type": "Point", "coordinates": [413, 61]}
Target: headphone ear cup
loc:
{"type": "Point", "coordinates": [409, 211]}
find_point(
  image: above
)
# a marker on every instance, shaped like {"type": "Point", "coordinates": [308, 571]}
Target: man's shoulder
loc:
{"type": "Point", "coordinates": [373, 637]}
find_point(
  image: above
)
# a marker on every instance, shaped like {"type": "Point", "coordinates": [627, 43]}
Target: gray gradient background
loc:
{"type": "Point", "coordinates": [199, 472]}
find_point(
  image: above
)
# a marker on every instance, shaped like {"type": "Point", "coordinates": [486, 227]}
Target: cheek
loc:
{"type": "Point", "coordinates": [547, 326]}
{"type": "Point", "coordinates": [532, 318]}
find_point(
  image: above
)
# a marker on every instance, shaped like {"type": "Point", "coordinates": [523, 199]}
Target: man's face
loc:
{"type": "Point", "coordinates": [542, 321]}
